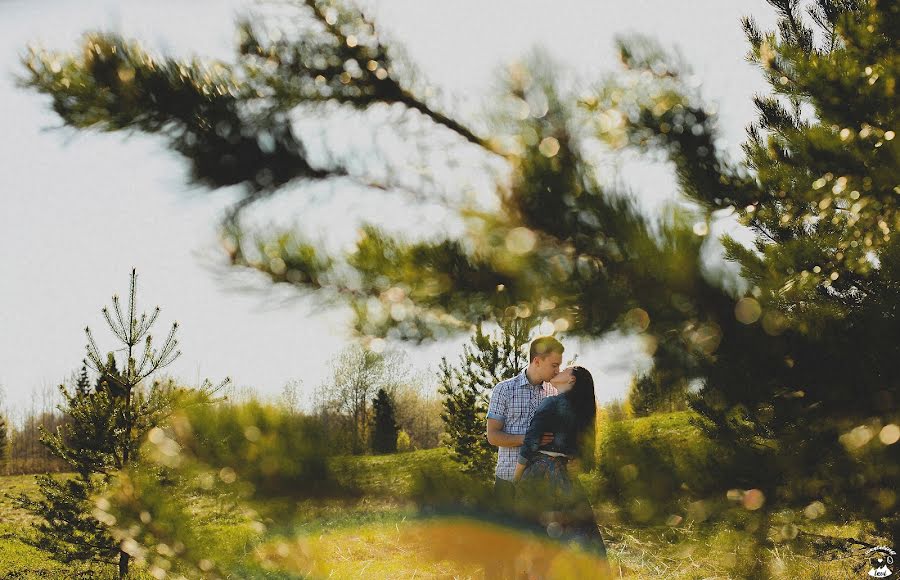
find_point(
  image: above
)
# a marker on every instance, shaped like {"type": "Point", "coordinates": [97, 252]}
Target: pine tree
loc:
{"type": "Point", "coordinates": [485, 361]}
{"type": "Point", "coordinates": [384, 424]}
{"type": "Point", "coordinates": [4, 434]}
{"type": "Point", "coordinates": [798, 388]}
{"type": "Point", "coordinates": [104, 428]}
{"type": "Point", "coordinates": [109, 379]}
{"type": "Point", "coordinates": [826, 261]}
{"type": "Point", "coordinates": [83, 382]}
{"type": "Point", "coordinates": [655, 392]}
{"type": "Point", "coordinates": [4, 440]}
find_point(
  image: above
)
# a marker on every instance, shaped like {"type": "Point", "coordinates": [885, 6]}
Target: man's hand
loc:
{"type": "Point", "coordinates": [520, 469]}
{"type": "Point", "coordinates": [546, 438]}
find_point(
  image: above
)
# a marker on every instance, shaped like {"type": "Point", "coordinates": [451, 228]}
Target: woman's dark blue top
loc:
{"type": "Point", "coordinates": [554, 415]}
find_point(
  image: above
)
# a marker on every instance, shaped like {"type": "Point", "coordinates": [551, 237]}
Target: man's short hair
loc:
{"type": "Point", "coordinates": [544, 345]}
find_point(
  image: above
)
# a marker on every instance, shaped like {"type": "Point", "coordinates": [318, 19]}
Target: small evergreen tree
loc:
{"type": "Point", "coordinates": [4, 439]}
{"type": "Point", "coordinates": [4, 433]}
{"type": "Point", "coordinates": [104, 428]}
{"type": "Point", "coordinates": [384, 424]}
{"type": "Point", "coordinates": [83, 382]}
{"type": "Point", "coordinates": [656, 392]}
{"type": "Point", "coordinates": [109, 379]}
{"type": "Point", "coordinates": [486, 360]}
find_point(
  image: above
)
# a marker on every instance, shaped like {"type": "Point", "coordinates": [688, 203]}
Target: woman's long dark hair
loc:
{"type": "Point", "coordinates": [584, 402]}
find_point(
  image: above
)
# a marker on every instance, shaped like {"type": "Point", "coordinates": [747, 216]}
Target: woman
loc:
{"type": "Point", "coordinates": [545, 492]}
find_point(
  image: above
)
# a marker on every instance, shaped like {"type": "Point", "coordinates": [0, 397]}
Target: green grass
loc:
{"type": "Point", "coordinates": [377, 534]}
{"type": "Point", "coordinates": [21, 561]}
{"type": "Point", "coordinates": [387, 475]}
{"type": "Point", "coordinates": [17, 559]}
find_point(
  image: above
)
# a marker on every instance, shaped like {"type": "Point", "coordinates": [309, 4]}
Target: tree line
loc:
{"type": "Point", "coordinates": [387, 402]}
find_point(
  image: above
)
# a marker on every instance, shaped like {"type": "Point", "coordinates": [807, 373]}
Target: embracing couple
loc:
{"type": "Point", "coordinates": [540, 420]}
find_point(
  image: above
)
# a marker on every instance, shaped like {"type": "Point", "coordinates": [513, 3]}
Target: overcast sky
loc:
{"type": "Point", "coordinates": [80, 209]}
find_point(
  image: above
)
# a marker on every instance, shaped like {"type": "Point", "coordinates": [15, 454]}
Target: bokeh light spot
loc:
{"type": "Point", "coordinates": [753, 499]}
{"type": "Point", "coordinates": [889, 434]}
{"type": "Point", "coordinates": [520, 240]}
{"type": "Point", "coordinates": [747, 310]}
{"type": "Point", "coordinates": [549, 147]}
{"type": "Point", "coordinates": [638, 319]}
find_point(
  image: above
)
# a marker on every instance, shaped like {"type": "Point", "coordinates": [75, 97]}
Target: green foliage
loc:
{"type": "Point", "coordinates": [825, 262]}
{"type": "Point", "coordinates": [653, 391]}
{"type": "Point", "coordinates": [418, 407]}
{"type": "Point", "coordinates": [275, 452]}
{"type": "Point", "coordinates": [67, 529]}
{"type": "Point", "coordinates": [18, 559]}
{"type": "Point", "coordinates": [241, 464]}
{"type": "Point", "coordinates": [92, 444]}
{"type": "Point", "coordinates": [384, 424]}
{"type": "Point", "coordinates": [89, 445]}
{"type": "Point", "coordinates": [796, 365]}
{"type": "Point", "coordinates": [486, 360]}
{"type": "Point", "coordinates": [404, 443]}
{"type": "Point", "coordinates": [437, 486]}
{"type": "Point", "coordinates": [654, 467]}
{"type": "Point", "coordinates": [392, 476]}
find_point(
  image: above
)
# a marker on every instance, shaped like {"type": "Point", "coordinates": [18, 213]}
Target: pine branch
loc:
{"type": "Point", "coordinates": [145, 325]}
{"type": "Point", "coordinates": [93, 353]}
{"type": "Point", "coordinates": [121, 319]}
{"type": "Point", "coordinates": [403, 95]}
{"type": "Point", "coordinates": [132, 322]}
{"type": "Point", "coordinates": [109, 321]}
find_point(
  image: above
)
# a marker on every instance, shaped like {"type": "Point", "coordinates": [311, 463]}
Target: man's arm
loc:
{"type": "Point", "coordinates": [496, 414]}
{"type": "Point", "coordinates": [497, 437]}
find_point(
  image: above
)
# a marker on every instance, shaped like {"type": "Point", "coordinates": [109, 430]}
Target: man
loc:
{"type": "Point", "coordinates": [513, 403]}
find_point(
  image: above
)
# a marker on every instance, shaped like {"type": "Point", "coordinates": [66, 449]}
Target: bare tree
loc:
{"type": "Point", "coordinates": [357, 374]}
{"type": "Point", "coordinates": [25, 453]}
{"type": "Point", "coordinates": [418, 410]}
{"type": "Point", "coordinates": [291, 396]}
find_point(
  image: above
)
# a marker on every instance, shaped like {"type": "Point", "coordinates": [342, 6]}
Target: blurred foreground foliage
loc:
{"type": "Point", "coordinates": [222, 480]}
{"type": "Point", "coordinates": [196, 502]}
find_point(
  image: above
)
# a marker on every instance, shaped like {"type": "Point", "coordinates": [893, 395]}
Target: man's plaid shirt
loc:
{"type": "Point", "coordinates": [514, 402]}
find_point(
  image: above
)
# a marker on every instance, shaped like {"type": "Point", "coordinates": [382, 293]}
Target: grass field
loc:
{"type": "Point", "coordinates": [19, 560]}
{"type": "Point", "coordinates": [378, 535]}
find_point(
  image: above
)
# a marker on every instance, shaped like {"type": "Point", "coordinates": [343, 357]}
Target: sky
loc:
{"type": "Point", "coordinates": [80, 209]}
